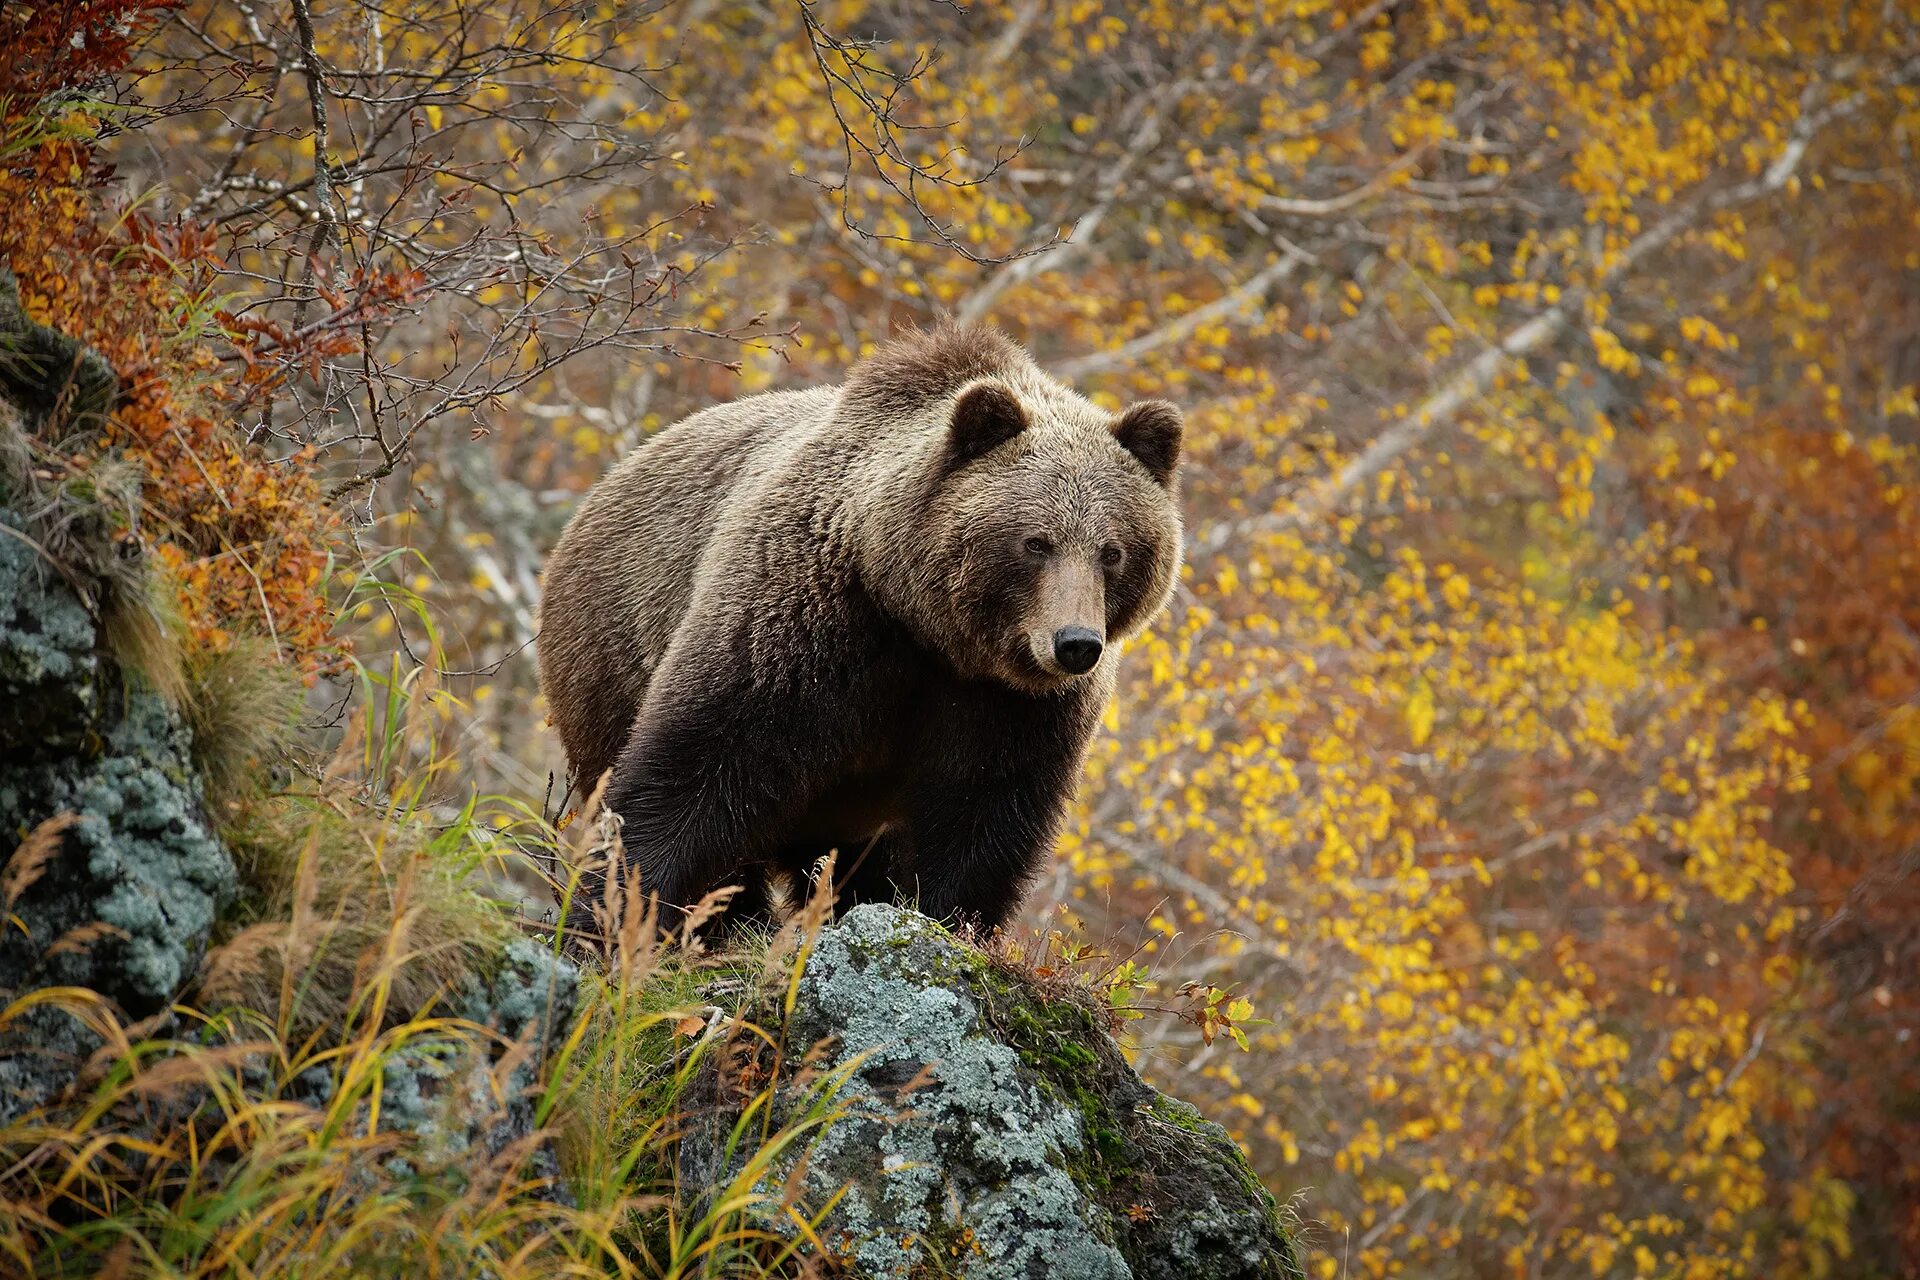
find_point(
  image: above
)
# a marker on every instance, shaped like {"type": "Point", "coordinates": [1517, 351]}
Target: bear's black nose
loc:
{"type": "Point", "coordinates": [1076, 649]}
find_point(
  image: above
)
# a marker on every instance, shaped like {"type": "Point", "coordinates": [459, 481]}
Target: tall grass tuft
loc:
{"type": "Point", "coordinates": [241, 707]}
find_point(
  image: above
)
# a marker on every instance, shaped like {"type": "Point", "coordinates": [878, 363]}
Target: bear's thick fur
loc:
{"type": "Point", "coordinates": [880, 618]}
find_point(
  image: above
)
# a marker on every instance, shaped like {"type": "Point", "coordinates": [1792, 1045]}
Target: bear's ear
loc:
{"type": "Point", "coordinates": [1150, 431]}
{"type": "Point", "coordinates": [986, 414]}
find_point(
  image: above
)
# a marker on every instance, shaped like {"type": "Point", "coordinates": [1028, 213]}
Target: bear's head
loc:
{"type": "Point", "coordinates": [1051, 529]}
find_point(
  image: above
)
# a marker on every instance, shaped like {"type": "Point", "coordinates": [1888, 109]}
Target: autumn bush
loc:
{"type": "Point", "coordinates": [248, 543]}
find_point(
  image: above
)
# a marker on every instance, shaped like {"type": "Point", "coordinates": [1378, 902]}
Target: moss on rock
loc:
{"type": "Point", "coordinates": [447, 1090]}
{"type": "Point", "coordinates": [991, 1132]}
{"type": "Point", "coordinates": [46, 373]}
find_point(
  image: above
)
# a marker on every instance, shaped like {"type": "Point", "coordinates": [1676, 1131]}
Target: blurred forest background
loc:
{"type": "Point", "coordinates": [1535, 735]}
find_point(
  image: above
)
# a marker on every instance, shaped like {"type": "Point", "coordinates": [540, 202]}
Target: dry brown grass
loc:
{"type": "Point", "coordinates": [192, 1147]}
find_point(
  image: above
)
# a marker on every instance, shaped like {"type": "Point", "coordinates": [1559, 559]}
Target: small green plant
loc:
{"type": "Point", "coordinates": [1125, 984]}
{"type": "Point", "coordinates": [1064, 968]}
{"type": "Point", "coordinates": [1215, 1010]}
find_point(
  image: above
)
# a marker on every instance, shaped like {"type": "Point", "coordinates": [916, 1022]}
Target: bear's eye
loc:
{"type": "Point", "coordinates": [1039, 547]}
{"type": "Point", "coordinates": [1110, 556]}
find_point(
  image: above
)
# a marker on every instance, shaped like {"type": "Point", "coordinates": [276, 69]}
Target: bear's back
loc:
{"type": "Point", "coordinates": [621, 577]}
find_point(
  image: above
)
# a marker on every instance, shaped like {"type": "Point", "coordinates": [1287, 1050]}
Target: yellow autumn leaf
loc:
{"type": "Point", "coordinates": [1420, 711]}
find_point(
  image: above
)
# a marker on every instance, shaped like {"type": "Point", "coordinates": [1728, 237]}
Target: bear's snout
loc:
{"type": "Point", "coordinates": [1076, 649]}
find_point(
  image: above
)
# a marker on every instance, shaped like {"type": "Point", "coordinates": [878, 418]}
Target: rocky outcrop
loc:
{"type": "Point", "coordinates": [108, 760]}
{"type": "Point", "coordinates": [121, 876]}
{"type": "Point", "coordinates": [46, 374]}
{"type": "Point", "coordinates": [987, 1131]}
{"type": "Point", "coordinates": [112, 877]}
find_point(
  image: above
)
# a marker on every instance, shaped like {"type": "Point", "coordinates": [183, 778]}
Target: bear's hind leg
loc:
{"type": "Point", "coordinates": [750, 907]}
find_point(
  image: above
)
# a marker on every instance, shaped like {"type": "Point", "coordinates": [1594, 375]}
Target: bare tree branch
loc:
{"type": "Point", "coordinates": [1472, 380]}
{"type": "Point", "coordinates": [1060, 254]}
{"type": "Point", "coordinates": [324, 202]}
{"type": "Point", "coordinates": [1244, 297]}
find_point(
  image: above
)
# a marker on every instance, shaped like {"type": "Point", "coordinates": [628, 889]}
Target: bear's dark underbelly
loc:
{"type": "Point", "coordinates": [850, 811]}
{"type": "Point", "coordinates": [867, 795]}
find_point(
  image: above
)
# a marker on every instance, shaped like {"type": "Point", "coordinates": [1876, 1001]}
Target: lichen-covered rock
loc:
{"type": "Point", "coordinates": [992, 1133]}
{"type": "Point", "coordinates": [440, 1089]}
{"type": "Point", "coordinates": [128, 901]}
{"type": "Point", "coordinates": [48, 662]}
{"type": "Point", "coordinates": [446, 1089]}
{"type": "Point", "coordinates": [125, 898]}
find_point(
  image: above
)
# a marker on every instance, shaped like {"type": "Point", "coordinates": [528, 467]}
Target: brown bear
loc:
{"type": "Point", "coordinates": [880, 618]}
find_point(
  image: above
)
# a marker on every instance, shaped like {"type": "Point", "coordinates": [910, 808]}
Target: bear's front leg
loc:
{"type": "Point", "coordinates": [722, 758]}
{"type": "Point", "coordinates": [975, 850]}
{"type": "Point", "coordinates": [699, 798]}
{"type": "Point", "coordinates": [994, 775]}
